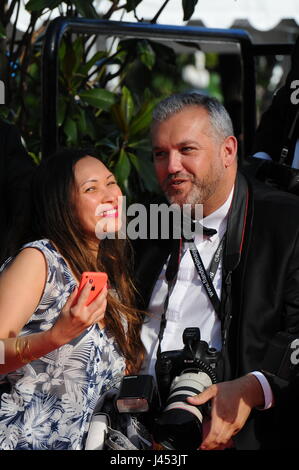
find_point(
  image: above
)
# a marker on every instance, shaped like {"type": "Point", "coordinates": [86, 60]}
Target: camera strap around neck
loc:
{"type": "Point", "coordinates": [206, 279]}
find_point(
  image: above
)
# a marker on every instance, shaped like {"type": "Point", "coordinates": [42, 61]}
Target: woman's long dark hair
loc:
{"type": "Point", "coordinates": [54, 217]}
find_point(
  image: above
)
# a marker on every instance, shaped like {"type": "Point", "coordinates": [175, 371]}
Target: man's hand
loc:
{"type": "Point", "coordinates": [232, 403]}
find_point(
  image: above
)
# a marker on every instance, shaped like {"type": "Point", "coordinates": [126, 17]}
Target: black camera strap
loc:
{"type": "Point", "coordinates": [206, 279]}
{"type": "Point", "coordinates": [170, 275]}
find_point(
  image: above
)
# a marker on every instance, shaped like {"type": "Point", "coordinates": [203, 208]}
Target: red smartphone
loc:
{"type": "Point", "coordinates": [99, 282]}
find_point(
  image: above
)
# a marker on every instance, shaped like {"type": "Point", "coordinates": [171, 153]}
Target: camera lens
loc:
{"type": "Point", "coordinates": [180, 424]}
{"type": "Point", "coordinates": [178, 429]}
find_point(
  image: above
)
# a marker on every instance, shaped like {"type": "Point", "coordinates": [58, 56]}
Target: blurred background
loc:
{"type": "Point", "coordinates": [108, 85]}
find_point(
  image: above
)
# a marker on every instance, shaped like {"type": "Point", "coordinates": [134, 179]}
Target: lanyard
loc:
{"type": "Point", "coordinates": [206, 279]}
{"type": "Point", "coordinates": [171, 275]}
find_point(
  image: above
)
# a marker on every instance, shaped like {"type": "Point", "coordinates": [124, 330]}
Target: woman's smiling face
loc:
{"type": "Point", "coordinates": [97, 198]}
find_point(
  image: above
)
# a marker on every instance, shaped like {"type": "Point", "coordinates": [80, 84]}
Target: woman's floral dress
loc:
{"type": "Point", "coordinates": [52, 399]}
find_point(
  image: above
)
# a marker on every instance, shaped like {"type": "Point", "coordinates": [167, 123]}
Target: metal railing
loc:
{"type": "Point", "coordinates": [61, 25]}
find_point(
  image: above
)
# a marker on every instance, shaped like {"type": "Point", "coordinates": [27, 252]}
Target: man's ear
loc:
{"type": "Point", "coordinates": [229, 150]}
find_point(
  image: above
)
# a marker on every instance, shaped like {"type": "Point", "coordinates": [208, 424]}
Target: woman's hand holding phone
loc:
{"type": "Point", "coordinates": [97, 280]}
{"type": "Point", "coordinates": [84, 307]}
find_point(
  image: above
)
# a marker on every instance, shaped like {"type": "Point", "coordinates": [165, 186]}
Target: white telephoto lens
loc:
{"type": "Point", "coordinates": [97, 432]}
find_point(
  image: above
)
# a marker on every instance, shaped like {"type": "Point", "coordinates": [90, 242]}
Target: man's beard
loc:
{"type": "Point", "coordinates": [200, 192]}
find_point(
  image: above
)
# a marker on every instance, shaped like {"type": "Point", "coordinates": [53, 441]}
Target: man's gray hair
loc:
{"type": "Point", "coordinates": [219, 117]}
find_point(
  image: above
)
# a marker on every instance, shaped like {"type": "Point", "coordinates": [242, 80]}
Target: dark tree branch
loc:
{"type": "Point", "coordinates": [13, 36]}
{"type": "Point", "coordinates": [104, 63]}
{"type": "Point", "coordinates": [25, 59]}
{"type": "Point", "coordinates": [90, 45]}
{"type": "Point", "coordinates": [136, 17]}
{"type": "Point", "coordinates": [10, 11]}
{"type": "Point", "coordinates": [110, 76]}
{"type": "Point", "coordinates": [154, 20]}
{"type": "Point", "coordinates": [114, 8]}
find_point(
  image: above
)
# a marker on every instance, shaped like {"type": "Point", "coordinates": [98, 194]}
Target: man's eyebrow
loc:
{"type": "Point", "coordinates": [187, 142]}
{"type": "Point", "coordinates": [179, 144]}
{"type": "Point", "coordinates": [109, 176]}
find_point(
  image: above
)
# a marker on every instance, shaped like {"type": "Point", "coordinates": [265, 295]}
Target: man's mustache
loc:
{"type": "Point", "coordinates": [174, 177]}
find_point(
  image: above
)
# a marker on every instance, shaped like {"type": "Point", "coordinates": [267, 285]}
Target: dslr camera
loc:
{"type": "Point", "coordinates": [172, 421]}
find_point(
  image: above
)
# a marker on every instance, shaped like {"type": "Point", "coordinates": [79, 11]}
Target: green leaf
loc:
{"type": "Point", "coordinates": [142, 145]}
{"type": "Point", "coordinates": [91, 129]}
{"type": "Point", "coordinates": [70, 130]}
{"type": "Point", "coordinates": [188, 7]}
{"type": "Point", "coordinates": [118, 117]}
{"type": "Point", "coordinates": [61, 110]}
{"type": "Point", "coordinates": [62, 50]}
{"type": "Point", "coordinates": [4, 112]}
{"type": "Point", "coordinates": [212, 60]}
{"type": "Point", "coordinates": [146, 54]}
{"type": "Point", "coordinates": [34, 5]}
{"type": "Point", "coordinates": [85, 8]}
{"type": "Point", "coordinates": [164, 53]}
{"type": "Point", "coordinates": [34, 71]}
{"type": "Point", "coordinates": [35, 157]}
{"type": "Point", "coordinates": [71, 60]}
{"type": "Point", "coordinates": [110, 144]}
{"type": "Point", "coordinates": [132, 4]}
{"type": "Point", "coordinates": [122, 169]}
{"type": "Point", "coordinates": [145, 168]}
{"type": "Point", "coordinates": [134, 160]}
{"type": "Point", "coordinates": [2, 31]}
{"type": "Point", "coordinates": [79, 50]}
{"type": "Point", "coordinates": [99, 98]}
{"type": "Point", "coordinates": [141, 122]}
{"type": "Point", "coordinates": [126, 105]}
{"type": "Point", "coordinates": [81, 121]}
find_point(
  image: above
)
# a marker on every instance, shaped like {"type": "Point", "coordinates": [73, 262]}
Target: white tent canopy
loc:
{"type": "Point", "coordinates": [261, 14]}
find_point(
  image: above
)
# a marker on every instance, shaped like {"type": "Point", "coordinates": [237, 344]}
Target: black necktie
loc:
{"type": "Point", "coordinates": [173, 263]}
{"type": "Point", "coordinates": [209, 232]}
{"type": "Point", "coordinates": [195, 226]}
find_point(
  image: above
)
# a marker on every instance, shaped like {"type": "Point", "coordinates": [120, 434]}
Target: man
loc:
{"type": "Point", "coordinates": [256, 280]}
{"type": "Point", "coordinates": [15, 172]}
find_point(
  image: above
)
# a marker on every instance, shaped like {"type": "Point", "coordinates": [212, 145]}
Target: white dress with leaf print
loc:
{"type": "Point", "coordinates": [52, 399]}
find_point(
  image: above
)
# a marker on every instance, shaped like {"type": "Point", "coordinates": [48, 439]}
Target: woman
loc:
{"type": "Point", "coordinates": [61, 355]}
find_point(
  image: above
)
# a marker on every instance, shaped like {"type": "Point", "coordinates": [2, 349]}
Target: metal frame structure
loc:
{"type": "Point", "coordinates": [61, 25]}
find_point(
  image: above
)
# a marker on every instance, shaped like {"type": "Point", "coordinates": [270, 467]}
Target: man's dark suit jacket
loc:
{"type": "Point", "coordinates": [15, 172]}
{"type": "Point", "coordinates": [264, 300]}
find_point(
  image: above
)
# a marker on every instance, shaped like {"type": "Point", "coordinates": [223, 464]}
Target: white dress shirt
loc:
{"type": "Point", "coordinates": [189, 304]}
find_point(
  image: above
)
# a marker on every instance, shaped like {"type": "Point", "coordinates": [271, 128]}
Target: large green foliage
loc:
{"type": "Point", "coordinates": [106, 94]}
